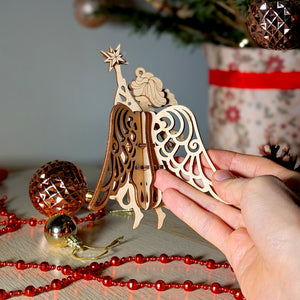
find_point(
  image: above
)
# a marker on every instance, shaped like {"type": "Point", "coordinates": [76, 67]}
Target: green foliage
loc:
{"type": "Point", "coordinates": [189, 21]}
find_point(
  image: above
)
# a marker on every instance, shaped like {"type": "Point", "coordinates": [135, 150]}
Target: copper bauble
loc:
{"type": "Point", "coordinates": [275, 24]}
{"type": "Point", "coordinates": [87, 13]}
{"type": "Point", "coordinates": [58, 187]}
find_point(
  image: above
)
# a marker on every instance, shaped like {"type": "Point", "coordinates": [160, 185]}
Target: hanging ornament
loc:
{"type": "Point", "coordinates": [87, 13]}
{"type": "Point", "coordinates": [60, 231]}
{"type": "Point", "coordinates": [275, 24]}
{"type": "Point", "coordinates": [58, 187]}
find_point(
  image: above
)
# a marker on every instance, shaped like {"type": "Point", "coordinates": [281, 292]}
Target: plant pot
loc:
{"type": "Point", "coordinates": [254, 96]}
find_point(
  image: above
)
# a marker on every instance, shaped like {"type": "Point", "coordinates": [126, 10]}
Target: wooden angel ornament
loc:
{"type": "Point", "coordinates": [147, 131]}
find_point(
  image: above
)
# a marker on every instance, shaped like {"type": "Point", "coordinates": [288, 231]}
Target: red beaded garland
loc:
{"type": "Point", "coordinates": [91, 272]}
{"type": "Point", "coordinates": [14, 223]}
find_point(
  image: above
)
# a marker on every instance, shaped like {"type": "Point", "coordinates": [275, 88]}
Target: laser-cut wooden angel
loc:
{"type": "Point", "coordinates": [143, 137]}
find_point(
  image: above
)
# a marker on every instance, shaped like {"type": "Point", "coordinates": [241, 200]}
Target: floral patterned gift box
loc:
{"type": "Point", "coordinates": [254, 95]}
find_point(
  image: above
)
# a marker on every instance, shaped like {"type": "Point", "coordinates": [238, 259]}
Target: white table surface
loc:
{"type": "Point", "coordinates": [175, 238]}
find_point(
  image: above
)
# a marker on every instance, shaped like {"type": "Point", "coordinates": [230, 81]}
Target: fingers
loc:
{"type": "Point", "coordinates": [207, 224]}
{"type": "Point", "coordinates": [251, 166]}
{"type": "Point", "coordinates": [230, 215]}
{"type": "Point", "coordinates": [229, 187]}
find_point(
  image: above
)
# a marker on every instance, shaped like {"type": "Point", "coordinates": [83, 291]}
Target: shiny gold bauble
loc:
{"type": "Point", "coordinates": [58, 187]}
{"type": "Point", "coordinates": [59, 230]}
{"type": "Point", "coordinates": [87, 13]}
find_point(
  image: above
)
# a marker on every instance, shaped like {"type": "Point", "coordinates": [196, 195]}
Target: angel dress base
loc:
{"type": "Point", "coordinates": [147, 131]}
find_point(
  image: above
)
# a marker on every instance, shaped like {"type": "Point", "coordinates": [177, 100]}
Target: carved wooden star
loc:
{"type": "Point", "coordinates": [113, 57]}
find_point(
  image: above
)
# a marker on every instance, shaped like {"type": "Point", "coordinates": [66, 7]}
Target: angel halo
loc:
{"type": "Point", "coordinates": [147, 130]}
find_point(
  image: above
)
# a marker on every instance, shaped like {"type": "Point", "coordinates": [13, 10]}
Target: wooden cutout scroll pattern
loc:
{"type": "Point", "coordinates": [142, 139]}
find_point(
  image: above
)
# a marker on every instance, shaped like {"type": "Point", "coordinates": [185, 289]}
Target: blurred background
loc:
{"type": "Point", "coordinates": [56, 92]}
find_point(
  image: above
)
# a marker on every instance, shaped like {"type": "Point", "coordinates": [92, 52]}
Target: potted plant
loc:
{"type": "Point", "coordinates": [254, 93]}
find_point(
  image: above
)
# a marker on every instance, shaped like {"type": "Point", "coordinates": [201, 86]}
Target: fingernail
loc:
{"type": "Point", "coordinates": [221, 175]}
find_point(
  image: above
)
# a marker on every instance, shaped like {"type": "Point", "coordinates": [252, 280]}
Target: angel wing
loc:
{"type": "Point", "coordinates": [118, 160]}
{"type": "Point", "coordinates": [175, 133]}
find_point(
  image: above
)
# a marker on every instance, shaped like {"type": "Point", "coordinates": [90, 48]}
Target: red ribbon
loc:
{"type": "Point", "coordinates": [243, 80]}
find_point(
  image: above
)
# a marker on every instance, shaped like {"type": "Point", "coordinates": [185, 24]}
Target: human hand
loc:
{"type": "Point", "coordinates": [259, 233]}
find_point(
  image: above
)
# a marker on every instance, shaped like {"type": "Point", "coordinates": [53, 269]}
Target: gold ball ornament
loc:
{"type": "Point", "coordinates": [87, 13]}
{"type": "Point", "coordinates": [275, 24]}
{"type": "Point", "coordinates": [59, 230]}
{"type": "Point", "coordinates": [58, 187]}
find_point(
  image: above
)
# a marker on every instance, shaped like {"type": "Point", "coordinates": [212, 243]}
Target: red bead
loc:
{"type": "Point", "coordinates": [20, 265]}
{"type": "Point", "coordinates": [77, 274]}
{"type": "Point", "coordinates": [188, 286]}
{"type": "Point", "coordinates": [188, 259]}
{"type": "Point", "coordinates": [115, 261]}
{"type": "Point", "coordinates": [94, 266]}
{"type": "Point", "coordinates": [33, 222]}
{"type": "Point", "coordinates": [160, 285]}
{"type": "Point", "coordinates": [164, 258]}
{"type": "Point", "coordinates": [44, 266]}
{"type": "Point", "coordinates": [107, 281]}
{"type": "Point", "coordinates": [91, 217]}
{"type": "Point", "coordinates": [66, 270]}
{"type": "Point", "coordinates": [87, 275]}
{"type": "Point", "coordinates": [216, 288]}
{"type": "Point", "coordinates": [19, 293]}
{"type": "Point", "coordinates": [3, 294]}
{"type": "Point", "coordinates": [47, 287]}
{"type": "Point", "coordinates": [9, 228]}
{"type": "Point", "coordinates": [211, 264]}
{"type": "Point", "coordinates": [56, 284]}
{"type": "Point", "coordinates": [139, 258]}
{"type": "Point", "coordinates": [132, 284]}
{"type": "Point", "coordinates": [238, 295]}
{"type": "Point", "coordinates": [30, 291]}
{"type": "Point", "coordinates": [149, 285]}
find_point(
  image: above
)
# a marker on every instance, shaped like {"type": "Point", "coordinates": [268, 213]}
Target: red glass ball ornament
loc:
{"type": "Point", "coordinates": [58, 187]}
{"type": "Point", "coordinates": [87, 13]}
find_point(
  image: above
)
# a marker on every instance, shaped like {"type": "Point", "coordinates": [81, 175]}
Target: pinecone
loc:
{"type": "Point", "coordinates": [275, 24]}
{"type": "Point", "coordinates": [285, 159]}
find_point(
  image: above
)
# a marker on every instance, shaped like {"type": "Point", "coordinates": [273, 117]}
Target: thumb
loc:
{"type": "Point", "coordinates": [228, 186]}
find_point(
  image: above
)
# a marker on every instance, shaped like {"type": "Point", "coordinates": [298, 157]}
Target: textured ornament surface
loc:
{"type": "Point", "coordinates": [58, 187]}
{"type": "Point", "coordinates": [275, 24]}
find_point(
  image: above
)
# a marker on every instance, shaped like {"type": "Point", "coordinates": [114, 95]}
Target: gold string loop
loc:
{"type": "Point", "coordinates": [81, 247]}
